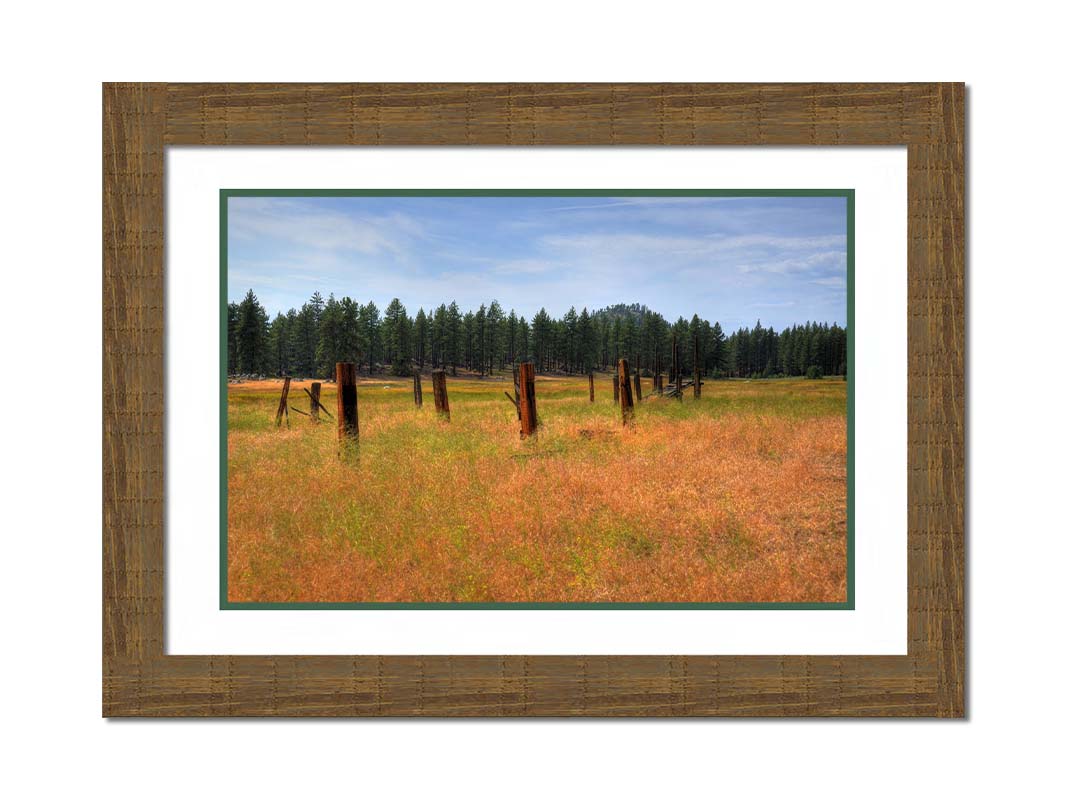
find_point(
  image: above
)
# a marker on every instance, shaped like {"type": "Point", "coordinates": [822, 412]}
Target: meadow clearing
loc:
{"type": "Point", "coordinates": [739, 496]}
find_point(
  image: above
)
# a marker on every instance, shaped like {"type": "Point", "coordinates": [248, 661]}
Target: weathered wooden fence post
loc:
{"type": "Point", "coordinates": [440, 394]}
{"type": "Point", "coordinates": [316, 392]}
{"type": "Point", "coordinates": [347, 403]}
{"type": "Point", "coordinates": [626, 397]}
{"type": "Point", "coordinates": [696, 365]}
{"type": "Point", "coordinates": [527, 400]}
{"type": "Point", "coordinates": [615, 387]}
{"type": "Point", "coordinates": [637, 380]}
{"type": "Point", "coordinates": [590, 386]}
{"type": "Point", "coordinates": [417, 386]}
{"type": "Point", "coordinates": [283, 405]}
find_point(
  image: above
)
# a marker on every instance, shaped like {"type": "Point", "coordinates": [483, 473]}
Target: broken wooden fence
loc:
{"type": "Point", "coordinates": [315, 396]}
{"type": "Point", "coordinates": [283, 405]}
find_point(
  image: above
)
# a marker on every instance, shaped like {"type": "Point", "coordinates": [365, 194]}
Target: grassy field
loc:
{"type": "Point", "coordinates": [739, 496]}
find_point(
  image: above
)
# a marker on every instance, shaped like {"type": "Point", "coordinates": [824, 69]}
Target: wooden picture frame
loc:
{"type": "Point", "coordinates": [140, 120]}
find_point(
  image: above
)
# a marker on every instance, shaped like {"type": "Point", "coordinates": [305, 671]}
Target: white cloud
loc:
{"type": "Point", "coordinates": [692, 245]}
{"type": "Point", "coordinates": [289, 222]}
{"type": "Point", "coordinates": [833, 282]}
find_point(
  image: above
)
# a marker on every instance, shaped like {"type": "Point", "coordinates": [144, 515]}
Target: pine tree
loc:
{"type": "Point", "coordinates": [539, 335]}
{"type": "Point", "coordinates": [627, 337]}
{"type": "Point", "coordinates": [331, 325]}
{"type": "Point", "coordinates": [396, 338]}
{"type": "Point", "coordinates": [569, 336]}
{"type": "Point", "coordinates": [522, 345]}
{"type": "Point", "coordinates": [587, 345]}
{"type": "Point", "coordinates": [351, 345]}
{"type": "Point", "coordinates": [251, 334]}
{"type": "Point", "coordinates": [494, 318]}
{"type": "Point", "coordinates": [717, 350]}
{"type": "Point", "coordinates": [478, 355]}
{"type": "Point", "coordinates": [603, 339]}
{"type": "Point", "coordinates": [231, 338]}
{"type": "Point", "coordinates": [439, 337]}
{"type": "Point", "coordinates": [468, 340]}
{"type": "Point", "coordinates": [279, 360]}
{"type": "Point", "coordinates": [392, 334]}
{"type": "Point", "coordinates": [512, 335]}
{"type": "Point", "coordinates": [369, 334]}
{"type": "Point", "coordinates": [420, 337]}
{"type": "Point", "coordinates": [455, 330]}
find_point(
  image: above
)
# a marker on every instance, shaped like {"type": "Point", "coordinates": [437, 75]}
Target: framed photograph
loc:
{"type": "Point", "coordinates": [553, 473]}
{"type": "Point", "coordinates": [527, 400]}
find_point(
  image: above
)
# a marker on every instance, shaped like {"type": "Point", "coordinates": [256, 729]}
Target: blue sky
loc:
{"type": "Point", "coordinates": [735, 260]}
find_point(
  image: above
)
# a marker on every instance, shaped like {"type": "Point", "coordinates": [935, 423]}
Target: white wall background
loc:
{"type": "Point", "coordinates": [55, 57]}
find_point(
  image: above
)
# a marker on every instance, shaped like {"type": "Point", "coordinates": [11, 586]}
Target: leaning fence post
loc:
{"type": "Point", "coordinates": [527, 400]}
{"type": "Point", "coordinates": [440, 394]}
{"type": "Point", "coordinates": [283, 407]}
{"type": "Point", "coordinates": [590, 386]}
{"type": "Point", "coordinates": [316, 391]}
{"type": "Point", "coordinates": [347, 403]}
{"type": "Point", "coordinates": [316, 401]}
{"type": "Point", "coordinates": [615, 387]}
{"type": "Point", "coordinates": [637, 380]}
{"type": "Point", "coordinates": [626, 397]}
{"type": "Point", "coordinates": [418, 390]}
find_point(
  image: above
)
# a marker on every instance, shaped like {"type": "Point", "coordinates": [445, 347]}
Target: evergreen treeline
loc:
{"type": "Point", "coordinates": [308, 342]}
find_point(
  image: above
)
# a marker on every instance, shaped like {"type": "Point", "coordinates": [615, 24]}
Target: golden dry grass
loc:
{"type": "Point", "coordinates": [737, 497]}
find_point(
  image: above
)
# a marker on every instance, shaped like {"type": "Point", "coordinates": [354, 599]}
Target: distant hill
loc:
{"type": "Point", "coordinates": [633, 311]}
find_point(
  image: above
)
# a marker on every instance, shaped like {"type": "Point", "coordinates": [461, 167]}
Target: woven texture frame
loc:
{"type": "Point", "coordinates": [140, 120]}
